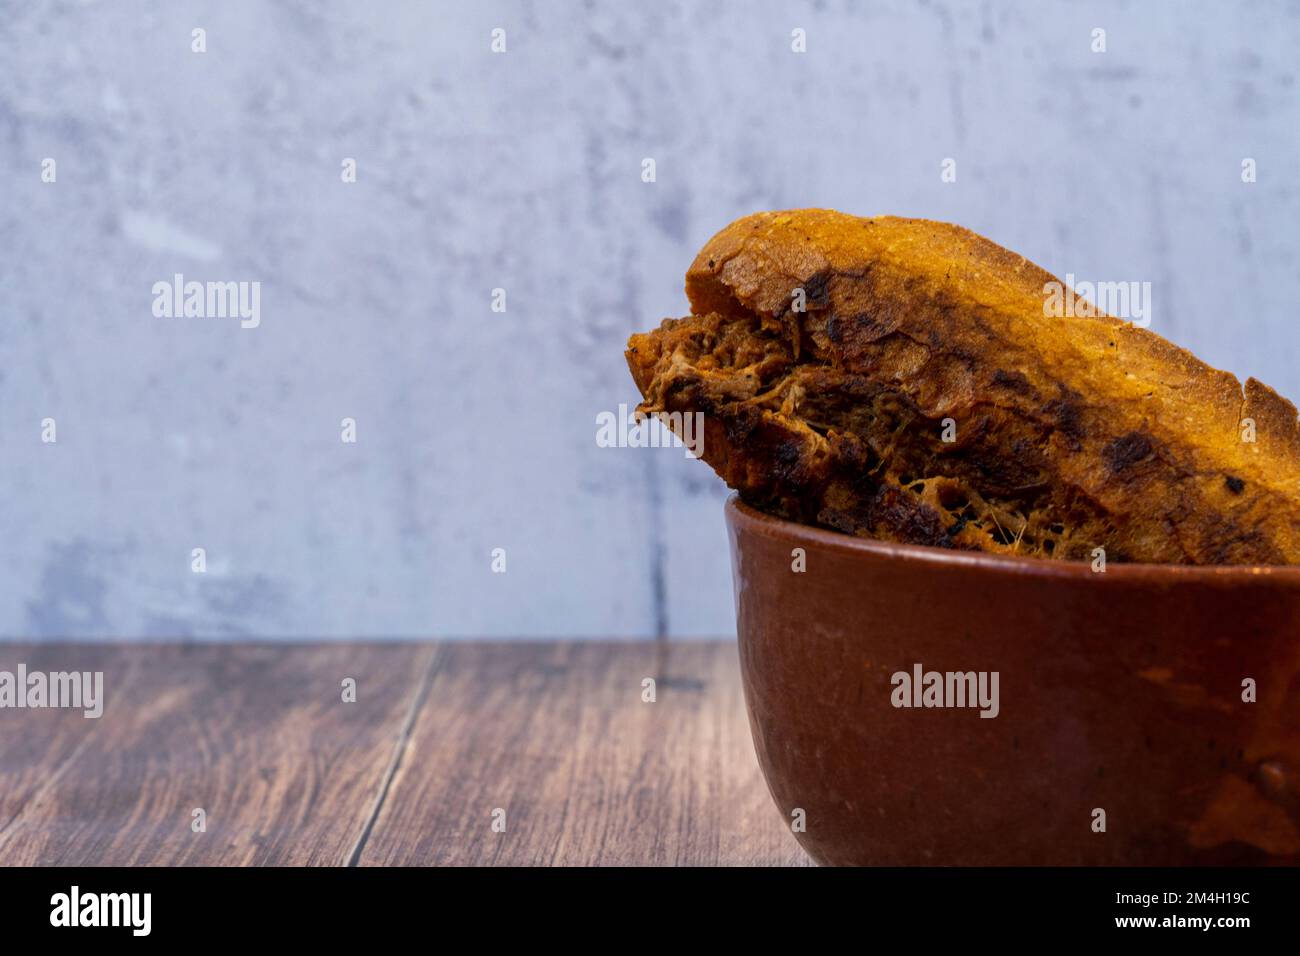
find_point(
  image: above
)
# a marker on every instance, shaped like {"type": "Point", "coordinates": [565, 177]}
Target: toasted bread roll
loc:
{"type": "Point", "coordinates": [923, 395]}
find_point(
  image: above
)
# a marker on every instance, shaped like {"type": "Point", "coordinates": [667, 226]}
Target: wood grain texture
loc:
{"type": "Point", "coordinates": [257, 736]}
{"type": "Point", "coordinates": [587, 773]}
{"type": "Point", "coordinates": [37, 748]}
{"type": "Point", "coordinates": [557, 735]}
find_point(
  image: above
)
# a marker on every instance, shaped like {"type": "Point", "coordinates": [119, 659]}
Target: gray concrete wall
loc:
{"type": "Point", "coordinates": [522, 171]}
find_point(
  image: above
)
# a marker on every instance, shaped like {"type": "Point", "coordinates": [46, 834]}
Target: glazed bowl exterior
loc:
{"type": "Point", "coordinates": [1145, 715]}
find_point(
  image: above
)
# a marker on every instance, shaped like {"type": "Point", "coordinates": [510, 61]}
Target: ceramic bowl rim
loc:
{"type": "Point", "coordinates": [741, 516]}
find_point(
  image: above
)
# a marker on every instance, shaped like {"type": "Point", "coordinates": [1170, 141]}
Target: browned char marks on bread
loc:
{"type": "Point", "coordinates": [1063, 434]}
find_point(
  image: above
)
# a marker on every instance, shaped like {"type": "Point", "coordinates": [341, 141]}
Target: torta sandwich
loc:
{"type": "Point", "coordinates": [900, 379]}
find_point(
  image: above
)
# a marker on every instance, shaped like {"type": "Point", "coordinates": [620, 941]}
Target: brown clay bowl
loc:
{"type": "Point", "coordinates": [1119, 691]}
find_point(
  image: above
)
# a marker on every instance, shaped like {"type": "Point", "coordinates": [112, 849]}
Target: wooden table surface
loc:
{"type": "Point", "coordinates": [440, 740]}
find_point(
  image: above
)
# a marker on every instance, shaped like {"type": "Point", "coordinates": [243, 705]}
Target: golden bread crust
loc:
{"type": "Point", "coordinates": [1070, 433]}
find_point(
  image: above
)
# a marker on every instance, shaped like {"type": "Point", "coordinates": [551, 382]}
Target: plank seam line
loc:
{"type": "Point", "coordinates": [395, 762]}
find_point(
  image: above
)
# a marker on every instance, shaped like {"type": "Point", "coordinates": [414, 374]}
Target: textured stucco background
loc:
{"type": "Point", "coordinates": [523, 171]}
